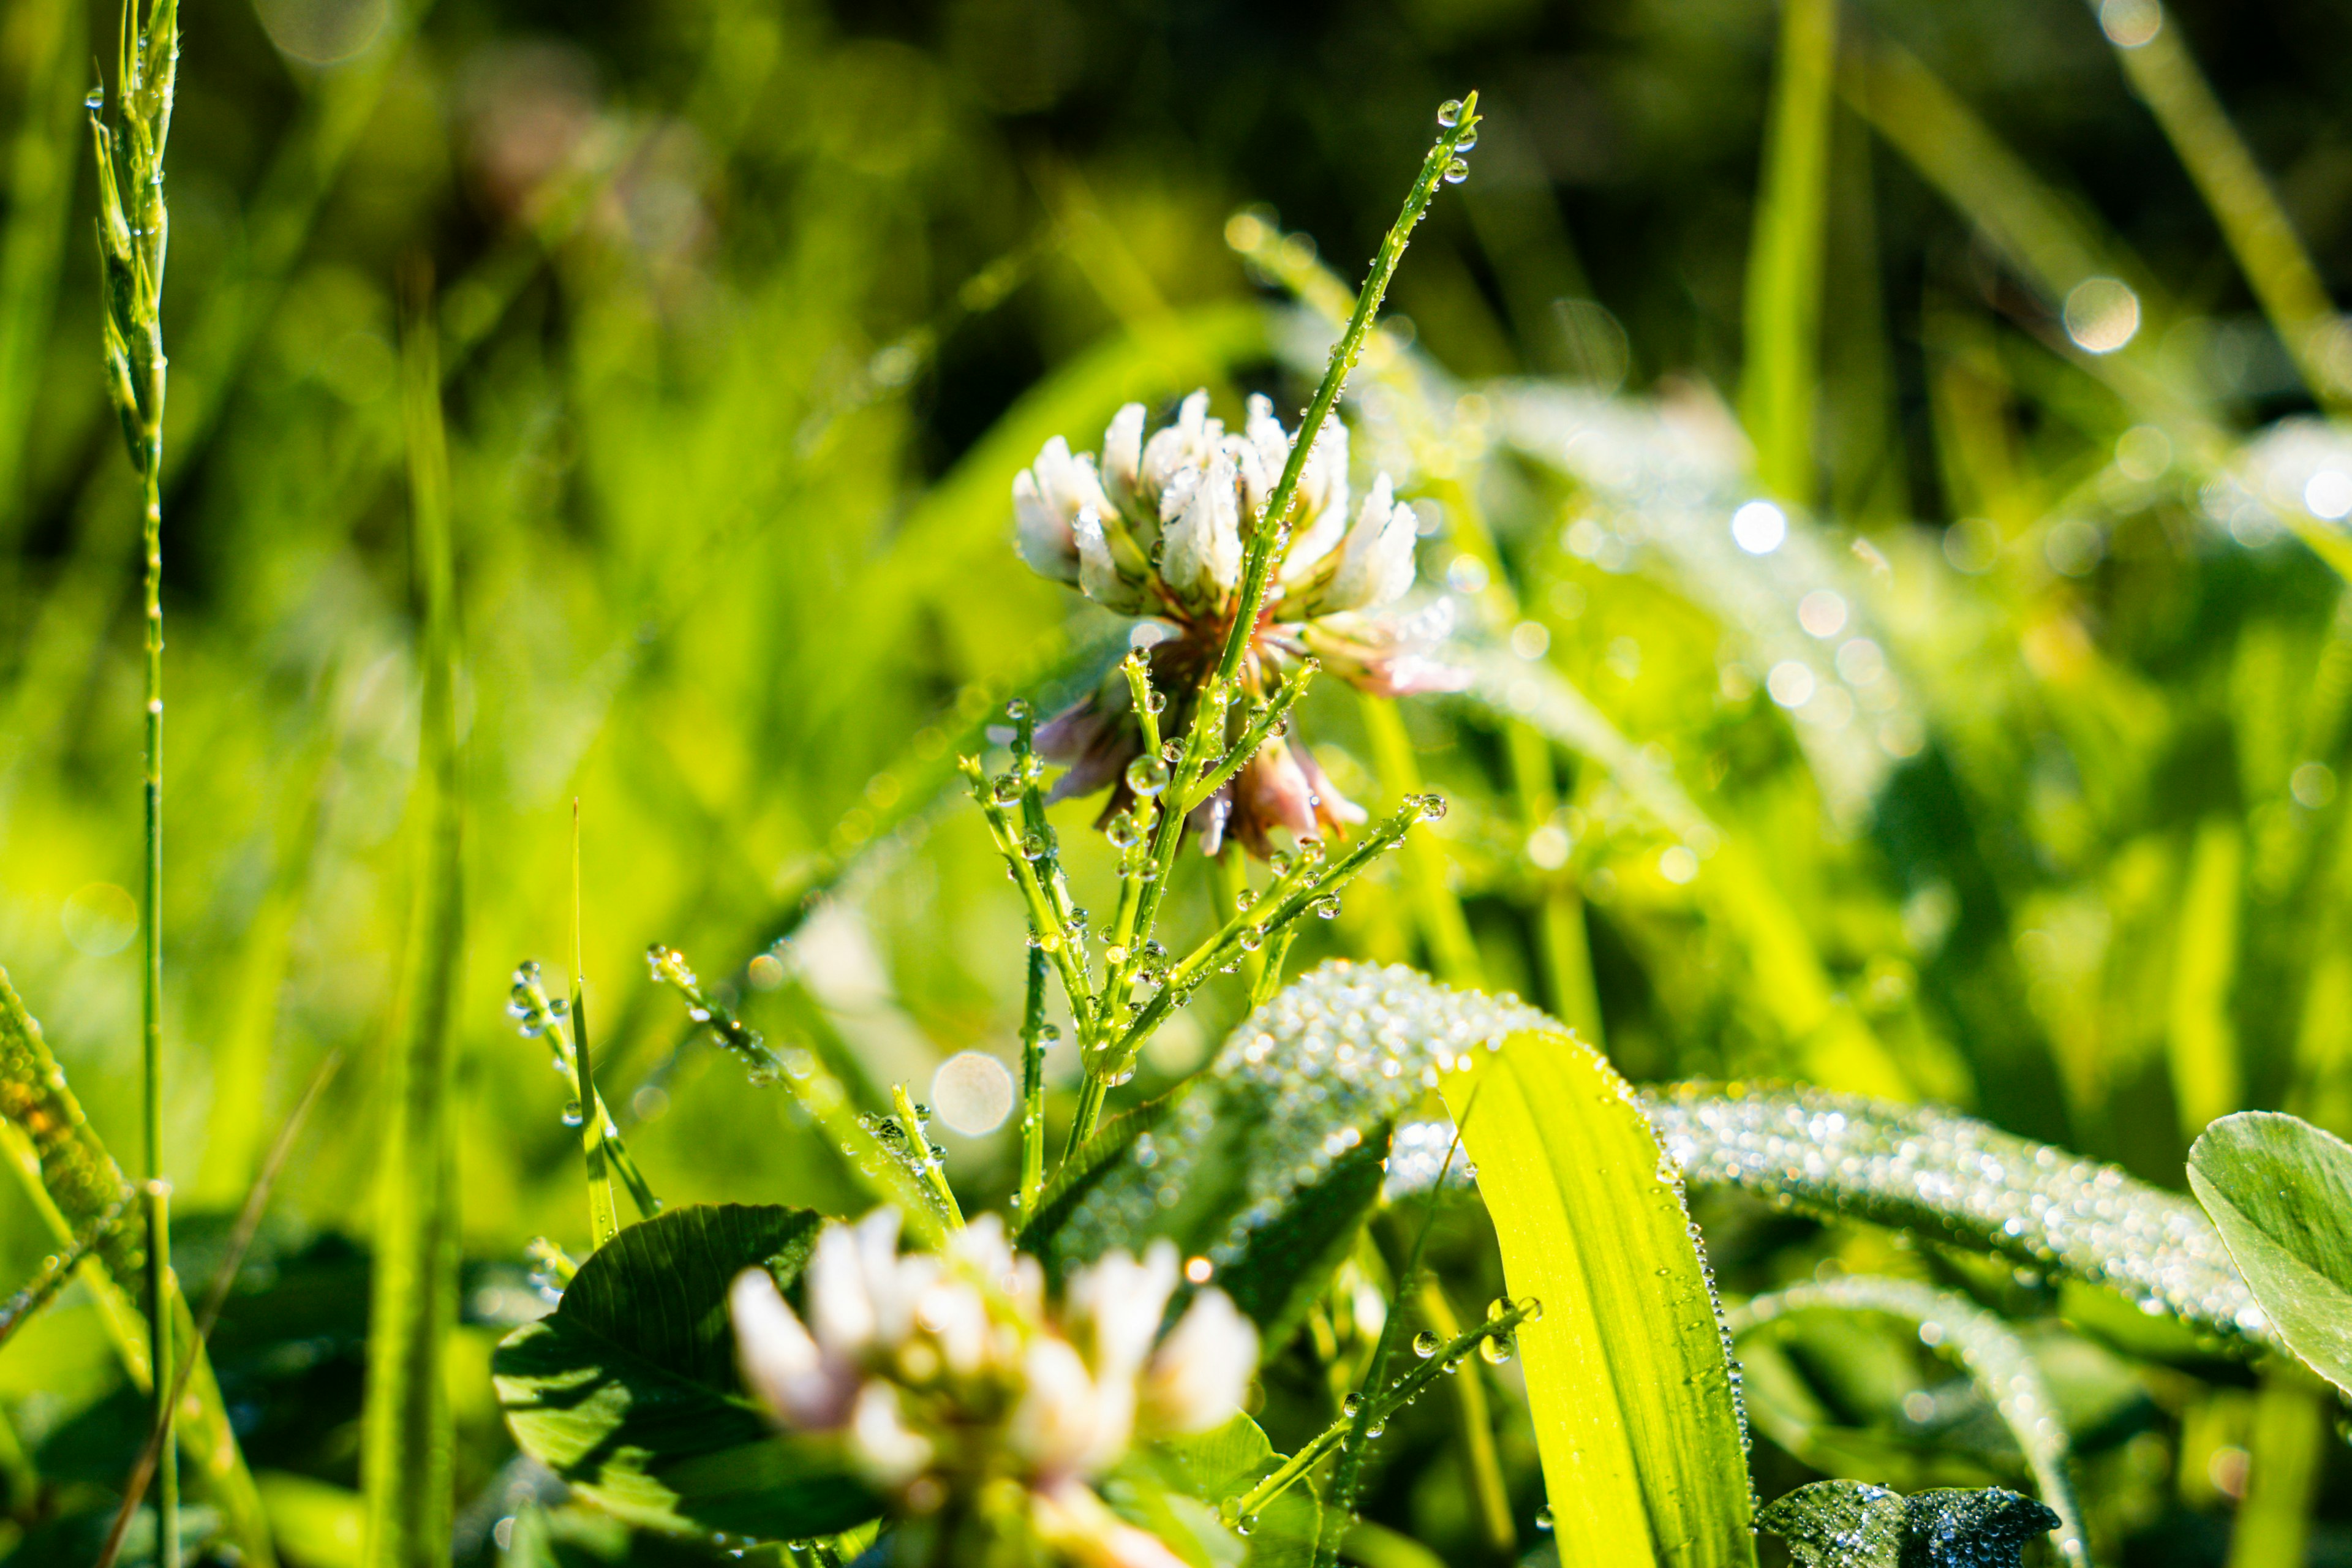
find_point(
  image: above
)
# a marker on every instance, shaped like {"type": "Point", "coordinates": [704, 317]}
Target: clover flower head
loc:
{"type": "Point", "coordinates": [939, 1372]}
{"type": "Point", "coordinates": [1156, 529]}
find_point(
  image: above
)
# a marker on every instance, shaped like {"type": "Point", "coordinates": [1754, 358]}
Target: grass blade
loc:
{"type": "Point", "coordinates": [1636, 1413]}
{"type": "Point", "coordinates": [405, 1457]}
{"type": "Point", "coordinates": [240, 1241]}
{"type": "Point", "coordinates": [74, 1184]}
{"type": "Point", "coordinates": [603, 1214]}
{"type": "Point", "coordinates": [2259, 235]}
{"type": "Point", "coordinates": [1784, 257]}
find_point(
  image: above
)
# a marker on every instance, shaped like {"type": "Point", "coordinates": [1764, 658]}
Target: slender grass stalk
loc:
{"type": "Point", "coordinates": [1363, 1422]}
{"type": "Point", "coordinates": [878, 1169]}
{"type": "Point", "coordinates": [1109, 1032]}
{"type": "Point", "coordinates": [1372, 1411]}
{"type": "Point", "coordinates": [406, 1455]}
{"type": "Point", "coordinates": [912, 1127]}
{"type": "Point", "coordinates": [603, 1214]}
{"type": "Point", "coordinates": [132, 244]}
{"type": "Point", "coordinates": [1478, 1451]}
{"type": "Point", "coordinates": [240, 1241]}
{"type": "Point", "coordinates": [2259, 234]}
{"type": "Point", "coordinates": [1784, 255]}
{"type": "Point", "coordinates": [1033, 1087]}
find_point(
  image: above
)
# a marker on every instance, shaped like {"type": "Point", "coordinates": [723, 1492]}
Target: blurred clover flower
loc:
{"type": "Point", "coordinates": [945, 1372]}
{"type": "Point", "coordinates": [1154, 529]}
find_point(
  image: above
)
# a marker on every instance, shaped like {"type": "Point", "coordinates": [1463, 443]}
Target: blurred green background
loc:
{"type": "Point", "coordinates": [749, 313]}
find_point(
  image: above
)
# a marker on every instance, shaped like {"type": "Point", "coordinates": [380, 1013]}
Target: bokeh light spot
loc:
{"type": "Point", "coordinates": [972, 1093]}
{"type": "Point", "coordinates": [100, 919]}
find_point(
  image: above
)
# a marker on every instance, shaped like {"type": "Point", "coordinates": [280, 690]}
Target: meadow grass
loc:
{"type": "Point", "coordinates": [2005, 774]}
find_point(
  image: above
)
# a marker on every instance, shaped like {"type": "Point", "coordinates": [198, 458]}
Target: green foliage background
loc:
{"type": "Point", "coordinates": [748, 314]}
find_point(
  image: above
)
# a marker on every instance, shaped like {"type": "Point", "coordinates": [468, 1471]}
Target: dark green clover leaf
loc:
{"type": "Point", "coordinates": [1954, 1528]}
{"type": "Point", "coordinates": [1837, 1524]}
{"type": "Point", "coordinates": [2280, 1190]}
{"type": "Point", "coordinates": [629, 1392]}
{"type": "Point", "coordinates": [1852, 1524]}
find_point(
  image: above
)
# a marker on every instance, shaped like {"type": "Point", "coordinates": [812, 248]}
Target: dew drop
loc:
{"type": "Point", "coordinates": [1425, 1345]}
{"type": "Point", "coordinates": [1449, 114]}
{"type": "Point", "coordinates": [1147, 777]}
{"type": "Point", "coordinates": [1032, 847]}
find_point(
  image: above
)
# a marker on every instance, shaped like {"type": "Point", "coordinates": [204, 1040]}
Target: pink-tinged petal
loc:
{"type": "Point", "coordinates": [1411, 674]}
{"type": "Point", "coordinates": [1066, 736]}
{"type": "Point", "coordinates": [1331, 807]}
{"type": "Point", "coordinates": [1271, 791]}
{"type": "Point", "coordinates": [1208, 818]}
{"type": "Point", "coordinates": [1105, 746]}
{"type": "Point", "coordinates": [1387, 656]}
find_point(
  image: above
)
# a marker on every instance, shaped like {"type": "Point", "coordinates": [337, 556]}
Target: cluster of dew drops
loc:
{"type": "Point", "coordinates": [1449, 115]}
{"type": "Point", "coordinates": [535, 1014]}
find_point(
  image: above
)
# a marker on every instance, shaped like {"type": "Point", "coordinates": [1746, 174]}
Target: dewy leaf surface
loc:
{"type": "Point", "coordinates": [1852, 1524]}
{"type": "Point", "coordinates": [1958, 1180]}
{"type": "Point", "coordinates": [1629, 1373]}
{"type": "Point", "coordinates": [1264, 1163]}
{"type": "Point", "coordinates": [2280, 1190]}
{"type": "Point", "coordinates": [629, 1392]}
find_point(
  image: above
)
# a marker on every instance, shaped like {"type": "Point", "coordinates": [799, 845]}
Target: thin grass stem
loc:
{"type": "Point", "coordinates": [603, 1214]}
{"type": "Point", "coordinates": [407, 1441]}
{"type": "Point", "coordinates": [240, 1241]}
{"type": "Point", "coordinates": [1269, 533]}
{"type": "Point", "coordinates": [1033, 1086]}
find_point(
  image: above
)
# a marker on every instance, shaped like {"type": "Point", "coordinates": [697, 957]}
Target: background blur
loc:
{"type": "Point", "coordinates": [2004, 773]}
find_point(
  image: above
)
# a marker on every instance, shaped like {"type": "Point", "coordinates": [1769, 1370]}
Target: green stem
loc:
{"type": "Point", "coordinates": [1370, 1412]}
{"type": "Point", "coordinates": [1264, 728]}
{"type": "Point", "coordinates": [407, 1443]}
{"type": "Point", "coordinates": [603, 1214]}
{"type": "Point", "coordinates": [1784, 271]}
{"type": "Point", "coordinates": [1269, 975]}
{"type": "Point", "coordinates": [1033, 1087]}
{"type": "Point", "coordinates": [918, 1144]}
{"type": "Point", "coordinates": [2259, 234]}
{"type": "Point", "coordinates": [1269, 534]}
{"type": "Point", "coordinates": [1092, 1091]}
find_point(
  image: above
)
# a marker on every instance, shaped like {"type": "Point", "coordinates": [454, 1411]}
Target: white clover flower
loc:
{"type": "Point", "coordinates": [1160, 531]}
{"type": "Point", "coordinates": [942, 1372]}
